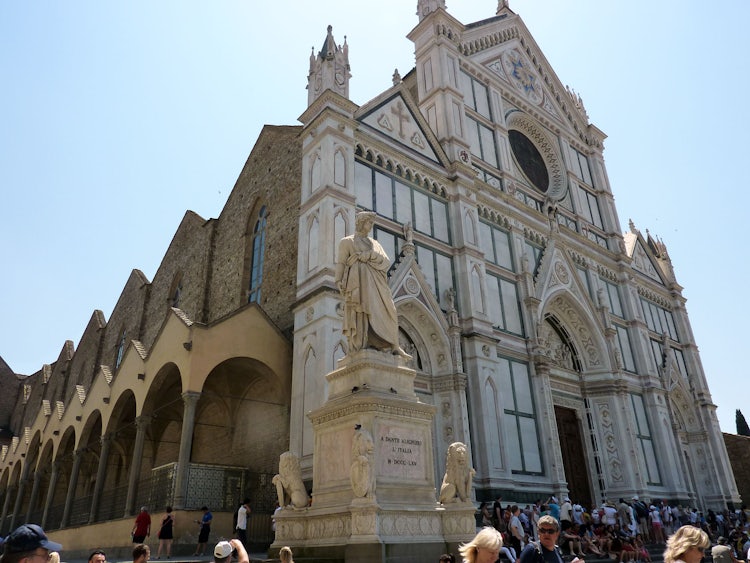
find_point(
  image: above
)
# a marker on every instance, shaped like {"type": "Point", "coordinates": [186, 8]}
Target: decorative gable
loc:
{"type": "Point", "coordinates": [643, 259]}
{"type": "Point", "coordinates": [642, 263]}
{"type": "Point", "coordinates": [395, 119]}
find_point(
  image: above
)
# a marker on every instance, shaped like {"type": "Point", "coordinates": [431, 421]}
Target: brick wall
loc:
{"type": "Point", "coordinates": [738, 448]}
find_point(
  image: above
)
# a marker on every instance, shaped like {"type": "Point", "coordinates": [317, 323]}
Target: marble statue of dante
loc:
{"type": "Point", "coordinates": [370, 319]}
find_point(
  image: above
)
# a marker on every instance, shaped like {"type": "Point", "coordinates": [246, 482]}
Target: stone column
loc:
{"type": "Point", "coordinates": [19, 496]}
{"type": "Point", "coordinates": [101, 472]}
{"type": "Point", "coordinates": [34, 494]}
{"type": "Point", "coordinates": [190, 400]}
{"type": "Point", "coordinates": [50, 492]}
{"type": "Point", "coordinates": [141, 424]}
{"type": "Point", "coordinates": [9, 493]}
{"type": "Point", "coordinates": [72, 485]}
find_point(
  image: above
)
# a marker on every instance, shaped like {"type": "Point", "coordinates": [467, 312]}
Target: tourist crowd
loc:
{"type": "Point", "coordinates": [619, 530]}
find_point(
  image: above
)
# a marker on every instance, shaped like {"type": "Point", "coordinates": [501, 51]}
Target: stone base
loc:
{"type": "Point", "coordinates": [374, 497]}
{"type": "Point", "coordinates": [369, 532]}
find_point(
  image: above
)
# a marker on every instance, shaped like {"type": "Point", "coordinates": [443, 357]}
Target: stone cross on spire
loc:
{"type": "Point", "coordinates": [329, 70]}
{"type": "Point", "coordinates": [502, 5]}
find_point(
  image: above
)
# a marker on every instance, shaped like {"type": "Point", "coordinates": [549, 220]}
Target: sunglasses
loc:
{"type": "Point", "coordinates": [547, 531]}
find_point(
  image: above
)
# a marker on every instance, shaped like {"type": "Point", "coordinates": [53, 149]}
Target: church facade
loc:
{"type": "Point", "coordinates": [557, 348]}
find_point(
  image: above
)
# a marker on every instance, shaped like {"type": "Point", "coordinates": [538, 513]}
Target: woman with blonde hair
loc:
{"type": "Point", "coordinates": [688, 545]}
{"type": "Point", "coordinates": [484, 548]}
{"type": "Point", "coordinates": [285, 555]}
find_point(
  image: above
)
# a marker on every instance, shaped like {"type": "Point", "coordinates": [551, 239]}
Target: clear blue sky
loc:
{"type": "Point", "coordinates": [119, 116]}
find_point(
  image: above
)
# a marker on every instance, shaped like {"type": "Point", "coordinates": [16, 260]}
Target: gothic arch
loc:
{"type": "Point", "coordinates": [427, 333]}
{"type": "Point", "coordinates": [255, 248]}
{"type": "Point", "coordinates": [683, 411]}
{"type": "Point", "coordinates": [581, 328]}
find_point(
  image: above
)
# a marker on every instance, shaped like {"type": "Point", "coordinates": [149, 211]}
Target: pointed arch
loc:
{"type": "Point", "coordinates": [340, 227]}
{"type": "Point", "coordinates": [580, 329]}
{"type": "Point", "coordinates": [470, 228]}
{"type": "Point", "coordinates": [339, 168]}
{"type": "Point", "coordinates": [315, 172]}
{"type": "Point", "coordinates": [494, 413]}
{"type": "Point", "coordinates": [175, 290]}
{"type": "Point", "coordinates": [339, 351]}
{"type": "Point", "coordinates": [313, 248]}
{"type": "Point", "coordinates": [121, 345]}
{"type": "Point", "coordinates": [477, 291]}
{"type": "Point", "coordinates": [256, 249]}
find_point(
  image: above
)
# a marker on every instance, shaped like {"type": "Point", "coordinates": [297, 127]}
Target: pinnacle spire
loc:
{"type": "Point", "coordinates": [329, 69]}
{"type": "Point", "coordinates": [426, 7]}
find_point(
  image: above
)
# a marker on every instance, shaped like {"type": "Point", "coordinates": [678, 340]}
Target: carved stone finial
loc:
{"type": "Point", "coordinates": [426, 7]}
{"type": "Point", "coordinates": [502, 5]}
{"type": "Point", "coordinates": [329, 69]}
{"type": "Point", "coordinates": [396, 77]}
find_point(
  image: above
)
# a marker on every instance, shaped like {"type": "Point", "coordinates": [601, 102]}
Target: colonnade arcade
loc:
{"type": "Point", "coordinates": [156, 440]}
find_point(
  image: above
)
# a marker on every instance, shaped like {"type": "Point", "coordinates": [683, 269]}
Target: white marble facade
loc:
{"type": "Point", "coordinates": [518, 296]}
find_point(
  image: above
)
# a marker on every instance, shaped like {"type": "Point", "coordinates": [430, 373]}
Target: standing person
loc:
{"type": "Point", "coordinates": [142, 526]}
{"type": "Point", "coordinates": [26, 543]}
{"type": "Point", "coordinates": [517, 534]}
{"type": "Point", "coordinates": [687, 545]}
{"type": "Point", "coordinates": [224, 549]}
{"type": "Point", "coordinates": [654, 516]}
{"type": "Point", "coordinates": [642, 511]}
{"type": "Point", "coordinates": [97, 556]}
{"type": "Point", "coordinates": [497, 513]}
{"type": "Point", "coordinates": [141, 553]}
{"type": "Point", "coordinates": [205, 530]}
{"type": "Point", "coordinates": [166, 534]}
{"type": "Point", "coordinates": [623, 512]}
{"type": "Point", "coordinates": [554, 508]}
{"type": "Point", "coordinates": [484, 548]}
{"type": "Point", "coordinates": [242, 513]}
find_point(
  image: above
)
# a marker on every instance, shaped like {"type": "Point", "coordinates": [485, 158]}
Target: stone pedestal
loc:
{"type": "Point", "coordinates": [396, 514]}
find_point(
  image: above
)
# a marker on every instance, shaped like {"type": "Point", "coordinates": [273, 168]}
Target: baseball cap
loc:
{"type": "Point", "coordinates": [223, 550]}
{"type": "Point", "coordinates": [29, 537]}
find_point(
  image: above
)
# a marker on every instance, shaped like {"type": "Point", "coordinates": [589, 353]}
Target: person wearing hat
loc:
{"type": "Point", "coordinates": [722, 553]}
{"type": "Point", "coordinates": [224, 549]}
{"type": "Point", "coordinates": [28, 543]}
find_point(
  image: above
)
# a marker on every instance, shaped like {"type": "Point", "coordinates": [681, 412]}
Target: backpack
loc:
{"type": "Point", "coordinates": [540, 556]}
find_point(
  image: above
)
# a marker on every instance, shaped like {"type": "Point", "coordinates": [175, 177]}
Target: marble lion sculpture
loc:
{"type": "Point", "coordinates": [456, 485]}
{"type": "Point", "coordinates": [288, 481]}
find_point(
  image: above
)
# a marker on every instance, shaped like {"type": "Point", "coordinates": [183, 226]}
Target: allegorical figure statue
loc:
{"type": "Point", "coordinates": [370, 319]}
{"type": "Point", "coordinates": [288, 481]}
{"type": "Point", "coordinates": [456, 485]}
{"type": "Point", "coordinates": [362, 473]}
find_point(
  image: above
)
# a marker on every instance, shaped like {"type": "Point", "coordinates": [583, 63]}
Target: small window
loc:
{"type": "Point", "coordinates": [120, 349]}
{"type": "Point", "coordinates": [259, 249]}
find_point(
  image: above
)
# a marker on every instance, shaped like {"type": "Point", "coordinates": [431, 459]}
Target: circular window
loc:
{"type": "Point", "coordinates": [529, 159]}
